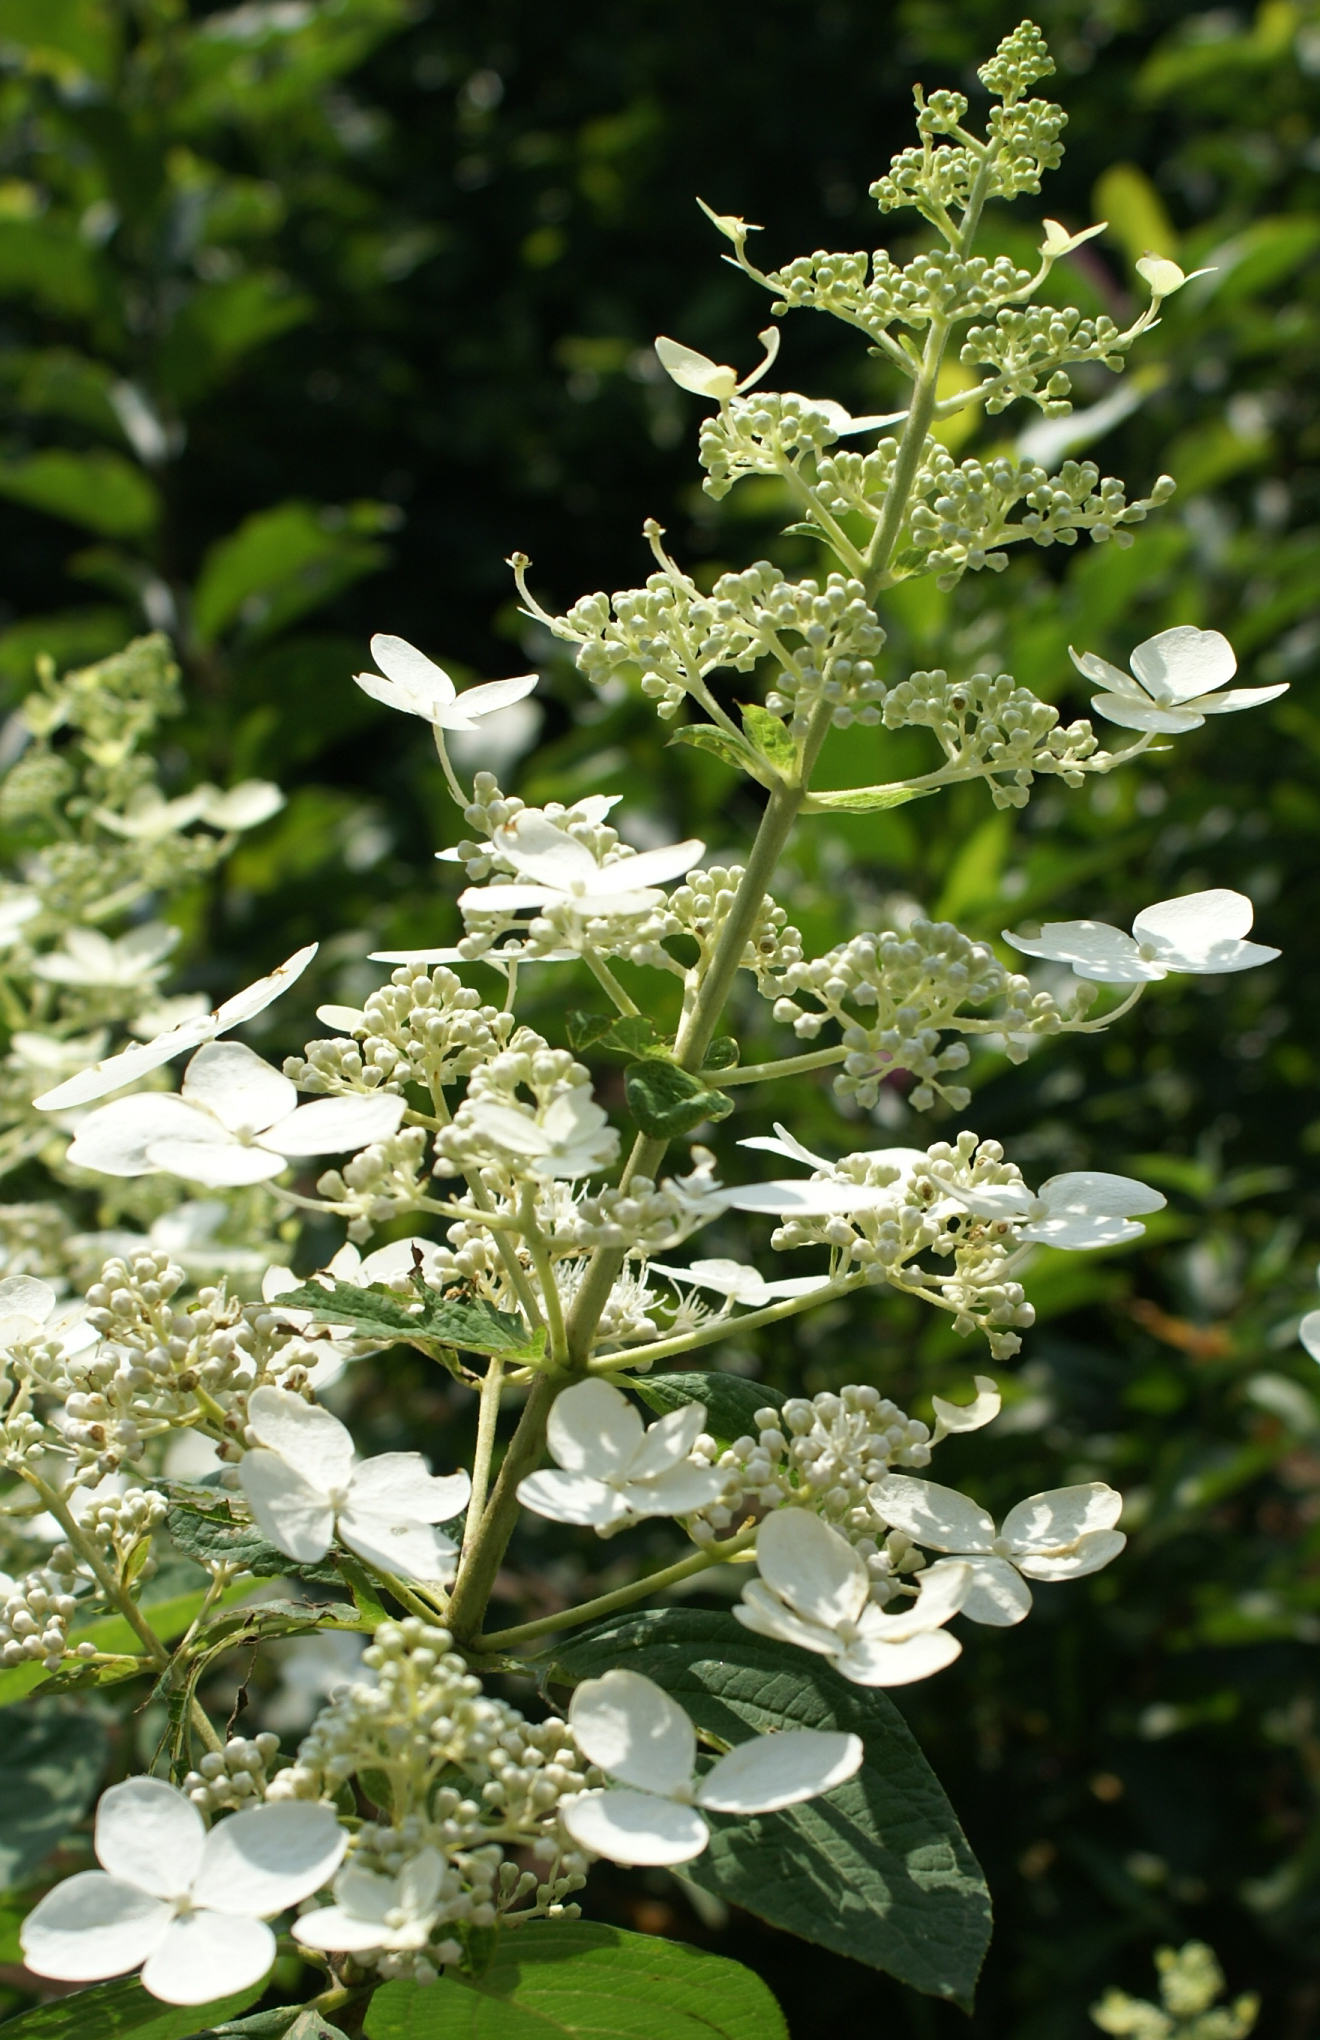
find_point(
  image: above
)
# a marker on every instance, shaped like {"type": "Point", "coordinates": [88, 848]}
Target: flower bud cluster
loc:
{"type": "Point", "coordinates": [763, 434]}
{"type": "Point", "coordinates": [643, 1218]}
{"type": "Point", "coordinates": [988, 725]}
{"type": "Point", "coordinates": [701, 905]}
{"type": "Point", "coordinates": [118, 1524]}
{"type": "Point", "coordinates": [424, 1027]}
{"type": "Point", "coordinates": [383, 1181]}
{"type": "Point", "coordinates": [937, 284]}
{"type": "Point", "coordinates": [34, 1620]}
{"type": "Point", "coordinates": [234, 1777]}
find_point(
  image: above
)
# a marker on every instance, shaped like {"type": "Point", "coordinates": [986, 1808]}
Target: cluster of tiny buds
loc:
{"type": "Point", "coordinates": [424, 1026]}
{"type": "Point", "coordinates": [701, 905]}
{"type": "Point", "coordinates": [34, 1621]}
{"type": "Point", "coordinates": [119, 1523]}
{"type": "Point", "coordinates": [383, 1181]}
{"type": "Point", "coordinates": [643, 1218]}
{"type": "Point", "coordinates": [821, 1453]}
{"type": "Point", "coordinates": [235, 1776]}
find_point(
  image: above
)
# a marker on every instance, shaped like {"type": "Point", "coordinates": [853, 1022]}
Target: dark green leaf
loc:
{"type": "Point", "coordinates": [468, 1322]}
{"type": "Point", "coordinates": [276, 566]}
{"type": "Point", "coordinates": [723, 1053]}
{"type": "Point", "coordinates": [704, 736]}
{"type": "Point", "coordinates": [51, 1762]}
{"type": "Point", "coordinates": [617, 1034]}
{"type": "Point", "coordinates": [220, 324]}
{"type": "Point", "coordinates": [572, 1981]}
{"type": "Point", "coordinates": [731, 1400]}
{"type": "Point", "coordinates": [101, 490]}
{"type": "Point", "coordinates": [213, 1536]}
{"type": "Point", "coordinates": [771, 738]}
{"type": "Point", "coordinates": [863, 800]}
{"type": "Point", "coordinates": [47, 261]}
{"type": "Point", "coordinates": [878, 1869]}
{"type": "Point", "coordinates": [290, 2022]}
{"type": "Point", "coordinates": [108, 2010]}
{"type": "Point", "coordinates": [666, 1101]}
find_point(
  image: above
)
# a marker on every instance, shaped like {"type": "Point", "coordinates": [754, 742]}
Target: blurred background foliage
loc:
{"type": "Point", "coordinates": [311, 310]}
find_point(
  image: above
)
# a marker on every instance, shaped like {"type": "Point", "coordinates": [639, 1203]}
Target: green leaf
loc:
{"type": "Point", "coordinates": [863, 800]}
{"type": "Point", "coordinates": [221, 323]}
{"type": "Point", "coordinates": [771, 738]}
{"type": "Point", "coordinates": [279, 564]}
{"type": "Point", "coordinates": [69, 39]}
{"type": "Point", "coordinates": [666, 1101]}
{"type": "Point", "coordinates": [45, 260]}
{"type": "Point", "coordinates": [731, 1400]}
{"type": "Point", "coordinates": [290, 2022]}
{"type": "Point", "coordinates": [212, 1535]}
{"type": "Point", "coordinates": [628, 1035]}
{"type": "Point", "coordinates": [573, 1981]}
{"type": "Point", "coordinates": [704, 736]}
{"type": "Point", "coordinates": [101, 490]}
{"type": "Point", "coordinates": [878, 1869]}
{"type": "Point", "coordinates": [723, 1053]}
{"type": "Point", "coordinates": [108, 2010]}
{"type": "Point", "coordinates": [468, 1322]}
{"type": "Point", "coordinates": [51, 1762]}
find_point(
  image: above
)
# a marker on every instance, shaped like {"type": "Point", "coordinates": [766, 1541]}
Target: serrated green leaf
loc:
{"type": "Point", "coordinates": [213, 1536]}
{"type": "Point", "coordinates": [51, 1762]}
{"type": "Point", "coordinates": [878, 1869]}
{"type": "Point", "coordinates": [376, 1312]}
{"type": "Point", "coordinates": [863, 800]}
{"type": "Point", "coordinates": [627, 1034]}
{"type": "Point", "coordinates": [705, 737]}
{"type": "Point", "coordinates": [110, 2010]}
{"type": "Point", "coordinates": [731, 1400]}
{"type": "Point", "coordinates": [666, 1101]}
{"type": "Point", "coordinates": [771, 738]}
{"type": "Point", "coordinates": [574, 1981]}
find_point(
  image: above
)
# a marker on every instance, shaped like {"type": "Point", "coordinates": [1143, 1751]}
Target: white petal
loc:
{"type": "Point", "coordinates": [998, 1595]}
{"type": "Point", "coordinates": [1073, 1232]}
{"type": "Point", "coordinates": [631, 1728]}
{"type": "Point", "coordinates": [952, 1416]}
{"type": "Point", "coordinates": [1184, 662]}
{"type": "Point", "coordinates": [1308, 1331]}
{"type": "Point", "coordinates": [675, 1492]}
{"type": "Point", "coordinates": [812, 1567]}
{"type": "Point", "coordinates": [867, 1663]}
{"type": "Point", "coordinates": [267, 1860]}
{"type": "Point", "coordinates": [540, 851]}
{"type": "Point", "coordinates": [1090, 1552]}
{"type": "Point", "coordinates": [1095, 950]}
{"type": "Point", "coordinates": [726, 1278]}
{"type": "Point", "coordinates": [412, 1551]}
{"type": "Point", "coordinates": [331, 1126]}
{"type": "Point", "coordinates": [115, 1138]}
{"type": "Point", "coordinates": [205, 1957]}
{"type": "Point", "coordinates": [649, 868]}
{"type": "Point", "coordinates": [402, 1482]}
{"type": "Point", "coordinates": [218, 1164]}
{"type": "Point", "coordinates": [1235, 698]}
{"type": "Point", "coordinates": [512, 899]}
{"type": "Point", "coordinates": [91, 1926]}
{"type": "Point", "coordinates": [1097, 1191]}
{"type": "Point", "coordinates": [411, 668]}
{"type": "Point", "coordinates": [772, 1771]}
{"type": "Point", "coordinates": [1131, 714]}
{"type": "Point", "coordinates": [292, 1514]}
{"type": "Point", "coordinates": [932, 1515]}
{"type": "Point", "coordinates": [668, 1442]}
{"type": "Point", "coordinates": [789, 1198]}
{"type": "Point", "coordinates": [24, 1296]}
{"type": "Point", "coordinates": [990, 1200]}
{"type": "Point", "coordinates": [1186, 932]}
{"type": "Point", "coordinates": [1052, 1522]}
{"type": "Point", "coordinates": [114, 1071]}
{"type": "Point", "coordinates": [594, 1429]}
{"type": "Point", "coordinates": [1092, 667]}
{"type": "Point", "coordinates": [307, 1437]}
{"type": "Point", "coordinates": [635, 1828]}
{"type": "Point", "coordinates": [762, 1610]}
{"type": "Point", "coordinates": [517, 1132]}
{"type": "Point", "coordinates": [149, 1835]}
{"type": "Point", "coordinates": [493, 696]}
{"type": "Point", "coordinates": [240, 1090]}
{"type": "Point", "coordinates": [572, 1498]}
{"type": "Point", "coordinates": [347, 1933]}
{"type": "Point", "coordinates": [244, 806]}
{"type": "Point", "coordinates": [695, 372]}
{"type": "Point", "coordinates": [255, 998]}
{"type": "Point", "coordinates": [787, 1144]}
{"type": "Point", "coordinates": [944, 1588]}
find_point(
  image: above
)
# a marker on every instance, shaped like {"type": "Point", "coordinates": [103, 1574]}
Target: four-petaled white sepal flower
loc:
{"type": "Point", "coordinates": [631, 1729]}
{"type": "Point", "coordinates": [1082, 1209]}
{"type": "Point", "coordinates": [1202, 933]}
{"type": "Point", "coordinates": [570, 1138]}
{"type": "Point", "coordinates": [415, 685]}
{"type": "Point", "coordinates": [304, 1486]}
{"type": "Point", "coordinates": [562, 872]}
{"type": "Point", "coordinates": [113, 1072]}
{"type": "Point", "coordinates": [235, 1121]}
{"type": "Point", "coordinates": [1055, 1536]}
{"type": "Point", "coordinates": [1175, 682]}
{"type": "Point", "coordinates": [90, 958]}
{"type": "Point", "coordinates": [189, 1905]}
{"type": "Point", "coordinates": [813, 1591]}
{"type": "Point", "coordinates": [371, 1911]}
{"type": "Point", "coordinates": [29, 1309]}
{"type": "Point", "coordinates": [610, 1469]}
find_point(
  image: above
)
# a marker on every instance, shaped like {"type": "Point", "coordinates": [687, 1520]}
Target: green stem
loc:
{"type": "Point", "coordinates": [605, 977]}
{"type": "Point", "coordinates": [482, 1560]}
{"type": "Point", "coordinates": [487, 1421]}
{"type": "Point", "coordinates": [788, 1066]}
{"type": "Point", "coordinates": [622, 1597]}
{"type": "Point", "coordinates": [534, 1240]}
{"type": "Point", "coordinates": [723, 1328]}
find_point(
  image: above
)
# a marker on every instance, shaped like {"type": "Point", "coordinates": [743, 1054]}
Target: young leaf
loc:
{"type": "Point", "coordinates": [731, 1400]}
{"type": "Point", "coordinates": [627, 1034]}
{"type": "Point", "coordinates": [862, 800]}
{"type": "Point", "coordinates": [666, 1101]}
{"type": "Point", "coordinates": [114, 2011]}
{"type": "Point", "coordinates": [704, 736]}
{"type": "Point", "coordinates": [50, 1766]}
{"type": "Point", "coordinates": [771, 738]}
{"type": "Point", "coordinates": [567, 1980]}
{"type": "Point", "coordinates": [878, 1869]}
{"type": "Point", "coordinates": [101, 490]}
{"type": "Point", "coordinates": [723, 1053]}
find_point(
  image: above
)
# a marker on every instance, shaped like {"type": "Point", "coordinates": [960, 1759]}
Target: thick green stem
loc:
{"type": "Point", "coordinates": [788, 1066]}
{"type": "Point", "coordinates": [484, 1556]}
{"type": "Point", "coordinates": [622, 1597]}
{"type": "Point", "coordinates": [487, 1421]}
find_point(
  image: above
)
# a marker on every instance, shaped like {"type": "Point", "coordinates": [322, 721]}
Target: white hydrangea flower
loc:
{"type": "Point", "coordinates": [611, 1470]}
{"type": "Point", "coordinates": [390, 1913]}
{"type": "Point", "coordinates": [187, 1906]}
{"type": "Point", "coordinates": [631, 1729]}
{"type": "Point", "coordinates": [92, 959]}
{"type": "Point", "coordinates": [115, 1071]}
{"type": "Point", "coordinates": [570, 1137]}
{"type": "Point", "coordinates": [814, 1592]}
{"type": "Point", "coordinates": [1176, 681]}
{"type": "Point", "coordinates": [149, 816]}
{"type": "Point", "coordinates": [1060, 1535]}
{"type": "Point", "coordinates": [951, 1417]}
{"type": "Point", "coordinates": [703, 377]}
{"type": "Point", "coordinates": [739, 1282]}
{"type": "Point", "coordinates": [561, 872]}
{"type": "Point", "coordinates": [304, 1486]}
{"type": "Point", "coordinates": [236, 1120]}
{"type": "Point", "coordinates": [16, 910]}
{"type": "Point", "coordinates": [415, 685]}
{"type": "Point", "coordinates": [1200, 933]}
{"type": "Point", "coordinates": [1081, 1209]}
{"type": "Point", "coordinates": [30, 1309]}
